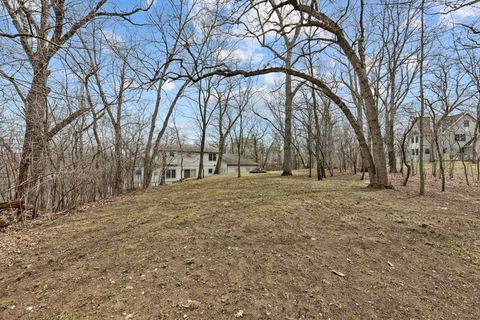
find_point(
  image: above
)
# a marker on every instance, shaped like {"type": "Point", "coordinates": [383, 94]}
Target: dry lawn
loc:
{"type": "Point", "coordinates": [259, 247]}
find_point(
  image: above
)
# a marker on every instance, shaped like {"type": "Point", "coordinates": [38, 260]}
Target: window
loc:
{"type": "Point", "coordinates": [212, 157]}
{"type": "Point", "coordinates": [416, 152]}
{"type": "Point", "coordinates": [172, 154]}
{"type": "Point", "coordinates": [413, 152]}
{"type": "Point", "coordinates": [210, 171]}
{"type": "Point", "coordinates": [416, 139]}
{"type": "Point", "coordinates": [466, 123]}
{"type": "Point", "coordinates": [413, 139]}
{"type": "Point", "coordinates": [171, 173]}
{"type": "Point", "coordinates": [427, 151]}
{"type": "Point", "coordinates": [444, 150]}
{"type": "Point", "coordinates": [462, 150]}
{"type": "Point", "coordinates": [460, 137]}
{"type": "Point", "coordinates": [189, 173]}
{"type": "Point", "coordinates": [138, 172]}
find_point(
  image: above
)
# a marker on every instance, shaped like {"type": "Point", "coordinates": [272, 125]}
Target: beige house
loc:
{"type": "Point", "coordinates": [182, 162]}
{"type": "Point", "coordinates": [455, 138]}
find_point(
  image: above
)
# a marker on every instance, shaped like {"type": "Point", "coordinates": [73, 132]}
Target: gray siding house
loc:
{"type": "Point", "coordinates": [455, 138]}
{"type": "Point", "coordinates": [182, 162]}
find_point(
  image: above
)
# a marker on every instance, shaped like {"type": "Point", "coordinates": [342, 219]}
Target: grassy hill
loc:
{"type": "Point", "coordinates": [258, 247]}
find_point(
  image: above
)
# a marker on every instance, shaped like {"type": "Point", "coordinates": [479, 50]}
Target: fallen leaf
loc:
{"type": "Point", "coordinates": [338, 273]}
{"type": "Point", "coordinates": [190, 304]}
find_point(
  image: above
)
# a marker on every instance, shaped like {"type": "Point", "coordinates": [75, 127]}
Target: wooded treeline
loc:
{"type": "Point", "coordinates": [90, 91]}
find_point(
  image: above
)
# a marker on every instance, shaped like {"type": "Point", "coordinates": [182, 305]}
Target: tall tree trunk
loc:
{"type": "Point", "coordinates": [378, 152]}
{"type": "Point", "coordinates": [422, 111]}
{"type": "Point", "coordinates": [359, 65]}
{"type": "Point", "coordinates": [318, 129]}
{"type": "Point", "coordinates": [152, 152]}
{"type": "Point", "coordinates": [239, 147]}
{"type": "Point", "coordinates": [202, 152]}
{"type": "Point", "coordinates": [476, 133]}
{"type": "Point", "coordinates": [287, 142]}
{"type": "Point", "coordinates": [118, 171]}
{"type": "Point", "coordinates": [148, 160]}
{"type": "Point", "coordinates": [390, 142]}
{"type": "Point", "coordinates": [404, 153]}
{"type": "Point", "coordinates": [309, 143]}
{"type": "Point", "coordinates": [32, 166]}
{"type": "Point", "coordinates": [117, 125]}
{"type": "Point", "coordinates": [440, 160]}
{"type": "Point", "coordinates": [221, 148]}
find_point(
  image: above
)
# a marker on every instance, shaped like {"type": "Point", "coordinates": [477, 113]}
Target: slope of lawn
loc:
{"type": "Point", "coordinates": [258, 247]}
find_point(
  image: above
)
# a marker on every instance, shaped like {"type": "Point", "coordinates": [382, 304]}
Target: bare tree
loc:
{"type": "Point", "coordinates": [469, 59]}
{"type": "Point", "coordinates": [398, 29]}
{"type": "Point", "coordinates": [41, 32]}
{"type": "Point", "coordinates": [121, 83]}
{"type": "Point", "coordinates": [230, 108]}
{"type": "Point", "coordinates": [316, 18]}
{"type": "Point", "coordinates": [171, 27]}
{"type": "Point", "coordinates": [448, 92]}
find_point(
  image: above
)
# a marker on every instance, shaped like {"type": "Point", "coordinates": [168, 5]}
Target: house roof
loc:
{"type": "Point", "coordinates": [187, 148]}
{"type": "Point", "coordinates": [232, 160]}
{"type": "Point", "coordinates": [450, 120]}
{"type": "Point", "coordinates": [447, 122]}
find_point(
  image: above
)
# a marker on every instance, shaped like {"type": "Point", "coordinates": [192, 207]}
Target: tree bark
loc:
{"type": "Point", "coordinates": [318, 157]}
{"type": "Point", "coordinates": [422, 110]}
{"type": "Point", "coordinates": [32, 166]}
{"type": "Point", "coordinates": [287, 142]}
{"type": "Point", "coordinates": [221, 148]}
{"type": "Point", "coordinates": [202, 152]}
{"type": "Point", "coordinates": [390, 141]}
{"type": "Point", "coordinates": [118, 169]}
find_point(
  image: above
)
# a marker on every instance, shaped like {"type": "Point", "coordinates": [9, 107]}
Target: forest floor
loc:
{"type": "Point", "coordinates": [258, 247]}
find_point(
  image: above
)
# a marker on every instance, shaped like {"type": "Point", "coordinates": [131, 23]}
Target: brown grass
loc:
{"type": "Point", "coordinates": [269, 246]}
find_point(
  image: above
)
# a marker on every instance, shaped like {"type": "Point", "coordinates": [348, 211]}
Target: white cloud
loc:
{"type": "Point", "coordinates": [112, 37]}
{"type": "Point", "coordinates": [169, 86]}
{"type": "Point", "coordinates": [462, 15]}
{"type": "Point", "coordinates": [242, 56]}
{"type": "Point", "coordinates": [147, 3]}
{"type": "Point", "coordinates": [271, 79]}
{"type": "Point", "coordinates": [467, 12]}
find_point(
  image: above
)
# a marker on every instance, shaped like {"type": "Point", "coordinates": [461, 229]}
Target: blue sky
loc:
{"type": "Point", "coordinates": [248, 53]}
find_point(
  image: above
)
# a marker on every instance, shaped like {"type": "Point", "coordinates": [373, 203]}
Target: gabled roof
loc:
{"type": "Point", "coordinates": [446, 123]}
{"type": "Point", "coordinates": [187, 148]}
{"type": "Point", "coordinates": [232, 160]}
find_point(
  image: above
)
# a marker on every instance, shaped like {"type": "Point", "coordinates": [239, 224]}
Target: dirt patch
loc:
{"type": "Point", "coordinates": [258, 247]}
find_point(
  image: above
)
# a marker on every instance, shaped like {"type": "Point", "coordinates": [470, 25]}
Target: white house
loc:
{"type": "Point", "coordinates": [181, 162]}
{"type": "Point", "coordinates": [230, 164]}
{"type": "Point", "coordinates": [455, 138]}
